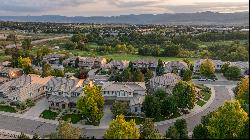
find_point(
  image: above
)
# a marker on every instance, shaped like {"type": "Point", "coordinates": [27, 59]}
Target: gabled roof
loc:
{"type": "Point", "coordinates": [126, 86]}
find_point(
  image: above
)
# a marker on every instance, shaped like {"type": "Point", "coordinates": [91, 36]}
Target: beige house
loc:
{"type": "Point", "coordinates": [62, 93]}
{"type": "Point", "coordinates": [175, 65]}
{"type": "Point", "coordinates": [25, 87]}
{"type": "Point", "coordinates": [244, 66]}
{"type": "Point", "coordinates": [114, 64]}
{"type": "Point", "coordinates": [8, 73]}
{"type": "Point", "coordinates": [218, 64]}
{"type": "Point", "coordinates": [53, 58]}
{"type": "Point", "coordinates": [152, 64]}
{"type": "Point", "coordinates": [132, 92]}
{"type": "Point", "coordinates": [165, 82]}
{"type": "Point", "coordinates": [89, 62]}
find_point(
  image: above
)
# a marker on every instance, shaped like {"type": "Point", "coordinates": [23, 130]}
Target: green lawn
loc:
{"type": "Point", "coordinates": [206, 96]}
{"type": "Point", "coordinates": [48, 114]}
{"type": "Point", "coordinates": [7, 108]}
{"type": "Point", "coordinates": [200, 103]}
{"type": "Point", "coordinates": [137, 119]}
{"type": "Point", "coordinates": [73, 117]}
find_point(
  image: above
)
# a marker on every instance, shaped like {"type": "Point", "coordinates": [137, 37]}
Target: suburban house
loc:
{"type": "Point", "coordinates": [151, 64]}
{"type": "Point", "coordinates": [165, 82]}
{"type": "Point", "coordinates": [131, 92]}
{"type": "Point", "coordinates": [218, 64]}
{"type": "Point", "coordinates": [114, 64]}
{"type": "Point", "coordinates": [62, 93]}
{"type": "Point", "coordinates": [244, 66]}
{"type": "Point", "coordinates": [89, 62]}
{"type": "Point", "coordinates": [25, 87]}
{"type": "Point", "coordinates": [8, 73]}
{"type": "Point", "coordinates": [53, 58]}
{"type": "Point", "coordinates": [175, 66]}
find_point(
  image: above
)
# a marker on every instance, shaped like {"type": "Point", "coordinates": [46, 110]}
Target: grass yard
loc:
{"type": "Point", "coordinates": [200, 103]}
{"type": "Point", "coordinates": [73, 117]}
{"type": "Point", "coordinates": [48, 114]}
{"type": "Point", "coordinates": [6, 108]}
{"type": "Point", "coordinates": [206, 96]}
{"type": "Point", "coordinates": [138, 120]}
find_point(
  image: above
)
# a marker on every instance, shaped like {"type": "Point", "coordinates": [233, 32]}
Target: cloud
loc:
{"type": "Point", "coordinates": [116, 7]}
{"type": "Point", "coordinates": [207, 6]}
{"type": "Point", "coordinates": [38, 5]}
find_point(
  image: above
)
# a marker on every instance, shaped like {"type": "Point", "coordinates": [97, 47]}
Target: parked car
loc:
{"type": "Point", "coordinates": [211, 80]}
{"type": "Point", "coordinates": [202, 79]}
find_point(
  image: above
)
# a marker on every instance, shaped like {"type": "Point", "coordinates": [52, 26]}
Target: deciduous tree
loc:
{"type": "Point", "coordinates": [92, 104]}
{"type": "Point", "coordinates": [228, 121]}
{"type": "Point", "coordinates": [207, 68]}
{"type": "Point", "coordinates": [184, 93]}
{"type": "Point", "coordinates": [120, 129]}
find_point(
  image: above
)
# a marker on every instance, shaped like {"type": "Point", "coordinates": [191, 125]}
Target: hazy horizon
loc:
{"type": "Point", "coordinates": [88, 8]}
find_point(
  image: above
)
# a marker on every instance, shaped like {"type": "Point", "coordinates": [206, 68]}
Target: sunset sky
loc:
{"type": "Point", "coordinates": [116, 7]}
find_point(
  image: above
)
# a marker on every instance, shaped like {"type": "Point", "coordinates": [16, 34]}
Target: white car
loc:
{"type": "Point", "coordinates": [202, 79]}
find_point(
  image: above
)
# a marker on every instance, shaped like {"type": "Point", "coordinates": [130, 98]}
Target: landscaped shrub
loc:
{"type": "Point", "coordinates": [30, 103]}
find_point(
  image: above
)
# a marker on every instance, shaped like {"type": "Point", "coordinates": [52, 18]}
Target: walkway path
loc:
{"type": "Point", "coordinates": [36, 110]}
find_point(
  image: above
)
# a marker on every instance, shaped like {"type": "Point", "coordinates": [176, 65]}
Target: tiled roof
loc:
{"type": "Point", "coordinates": [166, 79]}
{"type": "Point", "coordinates": [126, 86]}
{"type": "Point", "coordinates": [65, 84]}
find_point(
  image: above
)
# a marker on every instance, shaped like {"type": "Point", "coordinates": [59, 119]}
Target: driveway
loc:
{"type": "Point", "coordinates": [36, 110]}
{"type": "Point", "coordinates": [220, 77]}
{"type": "Point", "coordinates": [108, 116]}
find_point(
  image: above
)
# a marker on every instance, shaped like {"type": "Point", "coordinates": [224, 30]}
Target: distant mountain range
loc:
{"type": "Point", "coordinates": [208, 18]}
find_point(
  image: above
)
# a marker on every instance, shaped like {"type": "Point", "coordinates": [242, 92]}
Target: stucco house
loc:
{"type": "Point", "coordinates": [244, 66]}
{"type": "Point", "coordinates": [62, 93]}
{"type": "Point", "coordinates": [171, 66]}
{"type": "Point", "coordinates": [89, 62]}
{"type": "Point", "coordinates": [165, 82]}
{"type": "Point", "coordinates": [114, 64]}
{"type": "Point", "coordinates": [131, 92]}
{"type": "Point", "coordinates": [53, 58]}
{"type": "Point", "coordinates": [151, 64]}
{"type": "Point", "coordinates": [25, 87]}
{"type": "Point", "coordinates": [8, 73]}
{"type": "Point", "coordinates": [218, 65]}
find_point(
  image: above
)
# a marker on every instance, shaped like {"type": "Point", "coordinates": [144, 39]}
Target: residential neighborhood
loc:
{"type": "Point", "coordinates": [141, 69]}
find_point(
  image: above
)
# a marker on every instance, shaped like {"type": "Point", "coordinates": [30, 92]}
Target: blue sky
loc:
{"type": "Point", "coordinates": [116, 7]}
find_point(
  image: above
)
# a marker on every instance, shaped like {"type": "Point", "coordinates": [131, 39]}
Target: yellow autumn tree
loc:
{"type": "Point", "coordinates": [91, 104]}
{"type": "Point", "coordinates": [242, 89]}
{"type": "Point", "coordinates": [67, 131]}
{"type": "Point", "coordinates": [228, 121]}
{"type": "Point", "coordinates": [120, 129]}
{"type": "Point", "coordinates": [207, 68]}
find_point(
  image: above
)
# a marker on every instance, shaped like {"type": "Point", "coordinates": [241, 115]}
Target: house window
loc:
{"type": "Point", "coordinates": [60, 93]}
{"type": "Point", "coordinates": [57, 104]}
{"type": "Point", "coordinates": [30, 94]}
{"type": "Point", "coordinates": [135, 109]}
{"type": "Point", "coordinates": [52, 104]}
